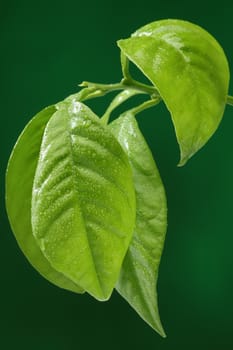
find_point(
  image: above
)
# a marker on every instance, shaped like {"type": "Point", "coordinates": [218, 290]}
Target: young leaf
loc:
{"type": "Point", "coordinates": [19, 180]}
{"type": "Point", "coordinates": [190, 71]}
{"type": "Point", "coordinates": [83, 202]}
{"type": "Point", "coordinates": [138, 277]}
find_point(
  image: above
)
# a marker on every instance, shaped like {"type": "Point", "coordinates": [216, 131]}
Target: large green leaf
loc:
{"type": "Point", "coordinates": [83, 202]}
{"type": "Point", "coordinates": [19, 181]}
{"type": "Point", "coordinates": [138, 278]}
{"type": "Point", "coordinates": [190, 71]}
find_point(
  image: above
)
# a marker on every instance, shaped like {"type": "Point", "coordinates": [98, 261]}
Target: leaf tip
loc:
{"type": "Point", "coordinates": [163, 334]}
{"type": "Point", "coordinates": [182, 162]}
{"type": "Point", "coordinates": [159, 329]}
{"type": "Point", "coordinates": [184, 156]}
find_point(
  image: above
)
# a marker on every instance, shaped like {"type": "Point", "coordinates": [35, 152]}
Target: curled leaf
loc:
{"type": "Point", "coordinates": [189, 69]}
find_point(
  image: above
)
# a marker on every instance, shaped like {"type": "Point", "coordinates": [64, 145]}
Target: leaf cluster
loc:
{"type": "Point", "coordinates": [88, 208]}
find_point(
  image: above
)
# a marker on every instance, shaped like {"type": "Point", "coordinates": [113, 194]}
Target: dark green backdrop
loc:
{"type": "Point", "coordinates": [46, 48]}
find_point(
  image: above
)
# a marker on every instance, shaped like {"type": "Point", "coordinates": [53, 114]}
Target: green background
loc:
{"type": "Point", "coordinates": [46, 49]}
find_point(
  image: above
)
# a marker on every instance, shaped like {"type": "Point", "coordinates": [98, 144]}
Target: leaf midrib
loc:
{"type": "Point", "coordinates": [74, 180]}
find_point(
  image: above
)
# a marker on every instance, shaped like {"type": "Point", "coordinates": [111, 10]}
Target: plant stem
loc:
{"type": "Point", "coordinates": [130, 88]}
{"type": "Point", "coordinates": [125, 66]}
{"type": "Point", "coordinates": [117, 101]}
{"type": "Point", "coordinates": [126, 83]}
{"type": "Point", "coordinates": [145, 105]}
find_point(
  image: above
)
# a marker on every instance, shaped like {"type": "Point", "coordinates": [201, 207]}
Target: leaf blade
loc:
{"type": "Point", "coordinates": [23, 161]}
{"type": "Point", "coordinates": [80, 199]}
{"type": "Point", "coordinates": [138, 278]}
{"type": "Point", "coordinates": [190, 71]}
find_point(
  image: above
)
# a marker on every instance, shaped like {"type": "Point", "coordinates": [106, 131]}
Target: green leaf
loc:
{"type": "Point", "coordinates": [189, 69]}
{"type": "Point", "coordinates": [139, 273]}
{"type": "Point", "coordinates": [19, 181]}
{"type": "Point", "coordinates": [83, 202]}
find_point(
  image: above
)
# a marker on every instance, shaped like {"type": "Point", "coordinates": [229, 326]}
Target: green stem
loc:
{"type": "Point", "coordinates": [117, 101]}
{"type": "Point", "coordinates": [145, 105]}
{"type": "Point", "coordinates": [136, 85]}
{"type": "Point", "coordinates": [130, 88]}
{"type": "Point", "coordinates": [86, 94]}
{"type": "Point", "coordinates": [229, 100]}
{"type": "Point", "coordinates": [125, 83]}
{"type": "Point", "coordinates": [125, 66]}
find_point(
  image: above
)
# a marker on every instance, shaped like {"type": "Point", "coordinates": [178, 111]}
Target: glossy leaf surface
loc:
{"type": "Point", "coordinates": [19, 181]}
{"type": "Point", "coordinates": [189, 69]}
{"type": "Point", "coordinates": [138, 278]}
{"type": "Point", "coordinates": [83, 203]}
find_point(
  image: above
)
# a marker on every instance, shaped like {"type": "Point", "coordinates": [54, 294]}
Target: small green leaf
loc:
{"type": "Point", "coordinates": [83, 202]}
{"type": "Point", "coordinates": [19, 180]}
{"type": "Point", "coordinates": [138, 278]}
{"type": "Point", "coordinates": [189, 69]}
